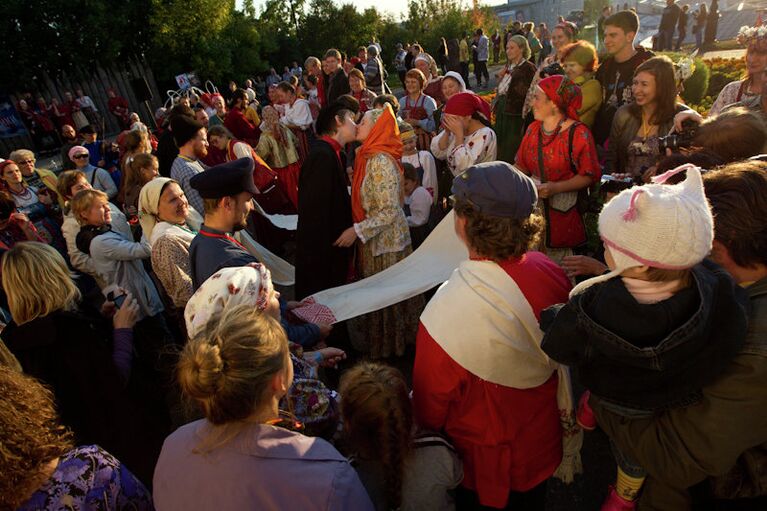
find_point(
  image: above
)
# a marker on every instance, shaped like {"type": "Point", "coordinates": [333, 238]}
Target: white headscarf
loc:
{"type": "Point", "coordinates": [148, 206]}
{"type": "Point", "coordinates": [251, 285]}
{"type": "Point", "coordinates": [458, 78]}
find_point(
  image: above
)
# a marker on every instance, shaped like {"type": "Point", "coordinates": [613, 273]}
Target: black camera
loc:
{"type": "Point", "coordinates": [610, 184]}
{"type": "Point", "coordinates": [674, 141]}
{"type": "Point", "coordinates": [552, 70]}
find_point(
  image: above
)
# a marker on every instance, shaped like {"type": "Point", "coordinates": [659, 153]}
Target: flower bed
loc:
{"type": "Point", "coordinates": [723, 71]}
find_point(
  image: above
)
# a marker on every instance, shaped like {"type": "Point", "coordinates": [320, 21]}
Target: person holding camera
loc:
{"type": "Point", "coordinates": [638, 127]}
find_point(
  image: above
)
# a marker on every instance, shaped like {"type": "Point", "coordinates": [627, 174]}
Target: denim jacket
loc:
{"type": "Point", "coordinates": [689, 353]}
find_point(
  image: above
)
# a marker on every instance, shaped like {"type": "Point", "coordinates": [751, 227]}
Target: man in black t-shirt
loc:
{"type": "Point", "coordinates": [617, 71]}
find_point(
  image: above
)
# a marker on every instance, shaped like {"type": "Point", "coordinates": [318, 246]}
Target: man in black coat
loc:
{"type": "Point", "coordinates": [324, 205]}
{"type": "Point", "coordinates": [337, 83]}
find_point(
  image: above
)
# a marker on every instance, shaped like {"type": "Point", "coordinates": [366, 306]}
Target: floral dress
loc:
{"type": "Point", "coordinates": [90, 479]}
{"type": "Point", "coordinates": [385, 240]}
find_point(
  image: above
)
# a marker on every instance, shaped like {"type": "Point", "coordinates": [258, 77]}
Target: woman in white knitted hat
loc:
{"type": "Point", "coordinates": [651, 339]}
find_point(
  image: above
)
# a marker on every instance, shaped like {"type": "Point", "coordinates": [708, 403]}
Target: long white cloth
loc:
{"type": "Point", "coordinates": [289, 222]}
{"type": "Point", "coordinates": [283, 272]}
{"type": "Point", "coordinates": [427, 267]}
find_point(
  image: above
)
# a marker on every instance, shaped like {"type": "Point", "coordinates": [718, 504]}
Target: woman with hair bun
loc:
{"type": "Point", "coordinates": [243, 454]}
{"type": "Point", "coordinates": [401, 468]}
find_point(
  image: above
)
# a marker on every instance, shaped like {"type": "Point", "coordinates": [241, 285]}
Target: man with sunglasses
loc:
{"type": "Point", "coordinates": [97, 177]}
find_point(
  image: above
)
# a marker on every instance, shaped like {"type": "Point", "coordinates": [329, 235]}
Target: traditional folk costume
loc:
{"type": "Point", "coordinates": [384, 237]}
{"type": "Point", "coordinates": [298, 118]}
{"type": "Point", "coordinates": [509, 103]}
{"type": "Point", "coordinates": [278, 147]}
{"type": "Point", "coordinates": [477, 147]}
{"type": "Point", "coordinates": [558, 157]}
{"type": "Point", "coordinates": [486, 383]}
{"type": "Point", "coordinates": [421, 110]}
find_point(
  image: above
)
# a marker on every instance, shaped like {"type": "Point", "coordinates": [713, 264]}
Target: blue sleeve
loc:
{"type": "Point", "coordinates": [305, 334]}
{"type": "Point", "coordinates": [430, 106]}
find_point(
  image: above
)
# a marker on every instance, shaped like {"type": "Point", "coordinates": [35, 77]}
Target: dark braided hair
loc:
{"type": "Point", "coordinates": [379, 421]}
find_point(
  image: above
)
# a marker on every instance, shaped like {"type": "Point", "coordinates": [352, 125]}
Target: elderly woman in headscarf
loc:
{"type": "Point", "coordinates": [467, 138]}
{"type": "Point", "coordinates": [313, 404]}
{"type": "Point", "coordinates": [452, 84]}
{"type": "Point", "coordinates": [510, 98]}
{"type": "Point", "coordinates": [170, 224]}
{"type": "Point", "coordinates": [381, 231]}
{"type": "Point", "coordinates": [558, 152]}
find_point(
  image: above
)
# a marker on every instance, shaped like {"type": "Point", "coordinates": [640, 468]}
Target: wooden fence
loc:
{"type": "Point", "coordinates": [94, 83]}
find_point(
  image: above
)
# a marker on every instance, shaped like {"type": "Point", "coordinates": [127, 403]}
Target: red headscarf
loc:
{"type": "Point", "coordinates": [383, 138]}
{"type": "Point", "coordinates": [466, 103]}
{"type": "Point", "coordinates": [564, 93]}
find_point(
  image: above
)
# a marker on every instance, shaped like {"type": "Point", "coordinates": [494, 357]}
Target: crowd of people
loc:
{"type": "Point", "coordinates": [157, 353]}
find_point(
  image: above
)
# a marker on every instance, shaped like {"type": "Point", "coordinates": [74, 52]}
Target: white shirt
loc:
{"type": "Point", "coordinates": [420, 206]}
{"type": "Point", "coordinates": [478, 147]}
{"type": "Point", "coordinates": [425, 160]}
{"type": "Point", "coordinates": [298, 114]}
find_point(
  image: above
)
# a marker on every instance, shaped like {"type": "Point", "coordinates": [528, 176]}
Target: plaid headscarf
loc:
{"type": "Point", "coordinates": [564, 93]}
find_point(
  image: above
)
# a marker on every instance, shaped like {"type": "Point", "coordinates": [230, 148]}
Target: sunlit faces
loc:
{"type": "Point", "coordinates": [98, 214]}
{"type": "Point", "coordinates": [410, 146]}
{"type": "Point", "coordinates": [150, 172]}
{"type": "Point", "coordinates": [616, 39]}
{"type": "Point", "coordinates": [365, 127]}
{"type": "Point", "coordinates": [573, 69]}
{"type": "Point", "coordinates": [423, 66]}
{"type": "Point", "coordinates": [81, 184]}
{"type": "Point", "coordinates": [412, 85]}
{"type": "Point", "coordinates": [11, 174]}
{"type": "Point", "coordinates": [355, 84]}
{"type": "Point", "coordinates": [219, 104]}
{"type": "Point", "coordinates": [450, 87]}
{"type": "Point", "coordinates": [644, 88]}
{"type": "Point", "coordinates": [513, 51]}
{"type": "Point", "coordinates": [543, 107]}
{"type": "Point", "coordinates": [201, 144]}
{"type": "Point", "coordinates": [173, 206]}
{"type": "Point", "coordinates": [559, 38]}
{"type": "Point", "coordinates": [756, 62]}
{"type": "Point", "coordinates": [347, 128]}
{"type": "Point", "coordinates": [27, 166]}
{"type": "Point", "coordinates": [201, 116]}
{"type": "Point", "coordinates": [330, 65]}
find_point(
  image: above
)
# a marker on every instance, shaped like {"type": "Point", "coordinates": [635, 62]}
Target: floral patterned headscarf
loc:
{"type": "Point", "coordinates": [227, 287]}
{"type": "Point", "coordinates": [564, 93]}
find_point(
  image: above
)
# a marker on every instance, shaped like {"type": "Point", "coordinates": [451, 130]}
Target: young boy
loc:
{"type": "Point", "coordinates": [418, 203]}
{"type": "Point", "coordinates": [651, 339]}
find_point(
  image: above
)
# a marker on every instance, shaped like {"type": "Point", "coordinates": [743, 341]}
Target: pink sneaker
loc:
{"type": "Point", "coordinates": [615, 502]}
{"type": "Point", "coordinates": [585, 416]}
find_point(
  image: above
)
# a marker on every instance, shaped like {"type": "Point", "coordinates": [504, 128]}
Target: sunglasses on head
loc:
{"type": "Point", "coordinates": [81, 156]}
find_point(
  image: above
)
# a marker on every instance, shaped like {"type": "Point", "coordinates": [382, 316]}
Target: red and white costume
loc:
{"type": "Point", "coordinates": [481, 377]}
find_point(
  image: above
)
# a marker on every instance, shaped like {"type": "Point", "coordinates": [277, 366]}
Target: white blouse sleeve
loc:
{"type": "Point", "coordinates": [429, 172]}
{"type": "Point", "coordinates": [420, 206]}
{"type": "Point", "coordinates": [299, 115]}
{"type": "Point", "coordinates": [242, 150]}
{"type": "Point", "coordinates": [476, 148]}
{"type": "Point", "coordinates": [441, 154]}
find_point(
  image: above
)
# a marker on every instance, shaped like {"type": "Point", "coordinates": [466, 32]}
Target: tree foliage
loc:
{"type": "Point", "coordinates": [211, 37]}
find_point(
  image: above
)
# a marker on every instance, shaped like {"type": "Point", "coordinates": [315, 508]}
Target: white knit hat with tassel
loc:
{"type": "Point", "coordinates": [656, 225]}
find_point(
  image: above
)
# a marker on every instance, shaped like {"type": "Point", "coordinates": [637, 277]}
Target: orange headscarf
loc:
{"type": "Point", "coordinates": [383, 138]}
